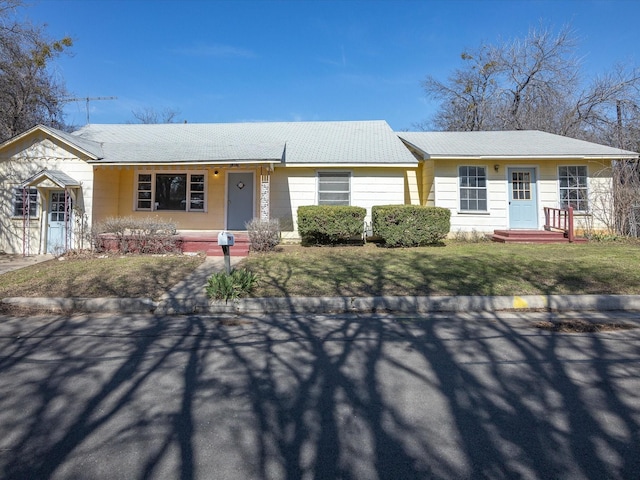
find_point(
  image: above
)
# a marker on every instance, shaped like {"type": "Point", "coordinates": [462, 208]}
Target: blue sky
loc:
{"type": "Point", "coordinates": [304, 60]}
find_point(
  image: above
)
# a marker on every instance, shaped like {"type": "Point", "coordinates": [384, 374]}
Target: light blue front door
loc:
{"type": "Point", "coordinates": [523, 205]}
{"type": "Point", "coordinates": [239, 200]}
{"type": "Point", "coordinates": [59, 232]}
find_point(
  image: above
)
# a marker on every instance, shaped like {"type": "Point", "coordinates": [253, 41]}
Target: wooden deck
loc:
{"type": "Point", "coordinates": [532, 236]}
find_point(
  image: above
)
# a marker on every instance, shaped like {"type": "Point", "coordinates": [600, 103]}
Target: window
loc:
{"type": "Point", "coordinates": [521, 185]}
{"type": "Point", "coordinates": [20, 201]}
{"type": "Point", "coordinates": [334, 188]}
{"type": "Point", "coordinates": [171, 191]}
{"type": "Point", "coordinates": [59, 207]}
{"type": "Point", "coordinates": [473, 189]}
{"type": "Point", "coordinates": [573, 187]}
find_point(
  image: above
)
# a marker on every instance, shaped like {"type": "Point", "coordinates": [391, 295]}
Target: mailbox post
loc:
{"type": "Point", "coordinates": [226, 240]}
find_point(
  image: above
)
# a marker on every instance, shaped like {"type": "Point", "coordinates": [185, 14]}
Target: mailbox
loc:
{"type": "Point", "coordinates": [225, 239]}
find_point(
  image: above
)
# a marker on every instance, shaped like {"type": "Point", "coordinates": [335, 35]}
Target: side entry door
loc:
{"type": "Point", "coordinates": [60, 222]}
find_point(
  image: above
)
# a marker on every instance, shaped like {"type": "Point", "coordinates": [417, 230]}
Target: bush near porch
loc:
{"type": "Point", "coordinates": [330, 224]}
{"type": "Point", "coordinates": [410, 225]}
{"type": "Point", "coordinates": [135, 235]}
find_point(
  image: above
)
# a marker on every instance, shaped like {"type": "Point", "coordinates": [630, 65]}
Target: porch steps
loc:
{"type": "Point", "coordinates": [207, 242]}
{"type": "Point", "coordinates": [531, 236]}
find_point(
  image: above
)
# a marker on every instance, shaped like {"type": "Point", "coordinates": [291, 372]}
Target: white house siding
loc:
{"type": "Point", "coordinates": [21, 161]}
{"type": "Point", "coordinates": [446, 192]}
{"type": "Point", "coordinates": [293, 187]}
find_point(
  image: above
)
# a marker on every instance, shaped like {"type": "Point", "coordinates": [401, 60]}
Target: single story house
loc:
{"type": "Point", "coordinates": [503, 179]}
{"type": "Point", "coordinates": [212, 177]}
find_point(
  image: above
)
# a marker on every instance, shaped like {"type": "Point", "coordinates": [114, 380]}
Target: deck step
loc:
{"type": "Point", "coordinates": [531, 236]}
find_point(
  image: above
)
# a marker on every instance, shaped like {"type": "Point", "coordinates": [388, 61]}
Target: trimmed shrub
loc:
{"type": "Point", "coordinates": [230, 286]}
{"type": "Point", "coordinates": [410, 225]}
{"type": "Point", "coordinates": [135, 235]}
{"type": "Point", "coordinates": [264, 235]}
{"type": "Point", "coordinates": [330, 224]}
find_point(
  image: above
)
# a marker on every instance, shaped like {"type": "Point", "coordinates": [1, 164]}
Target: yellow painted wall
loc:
{"type": "Point", "coordinates": [412, 187]}
{"type": "Point", "coordinates": [119, 185]}
{"type": "Point", "coordinates": [428, 183]}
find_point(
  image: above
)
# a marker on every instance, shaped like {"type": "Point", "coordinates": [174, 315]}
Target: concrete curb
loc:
{"type": "Point", "coordinates": [319, 305]}
{"type": "Point", "coordinates": [88, 305]}
{"type": "Point", "coordinates": [411, 304]}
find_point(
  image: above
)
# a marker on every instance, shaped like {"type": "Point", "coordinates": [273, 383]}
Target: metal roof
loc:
{"type": "Point", "coordinates": [56, 176]}
{"type": "Point", "coordinates": [507, 144]}
{"type": "Point", "coordinates": [292, 143]}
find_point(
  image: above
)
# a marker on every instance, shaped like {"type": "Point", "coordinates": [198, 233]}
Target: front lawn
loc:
{"type": "Point", "coordinates": [130, 276]}
{"type": "Point", "coordinates": [455, 269]}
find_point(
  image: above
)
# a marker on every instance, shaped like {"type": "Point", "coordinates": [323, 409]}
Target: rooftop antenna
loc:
{"type": "Point", "coordinates": [89, 99]}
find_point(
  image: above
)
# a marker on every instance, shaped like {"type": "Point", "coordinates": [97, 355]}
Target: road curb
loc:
{"type": "Point", "coordinates": [318, 305]}
{"type": "Point", "coordinates": [88, 305]}
{"type": "Point", "coordinates": [426, 304]}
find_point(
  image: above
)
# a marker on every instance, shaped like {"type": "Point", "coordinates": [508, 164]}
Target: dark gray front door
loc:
{"type": "Point", "coordinates": [240, 188]}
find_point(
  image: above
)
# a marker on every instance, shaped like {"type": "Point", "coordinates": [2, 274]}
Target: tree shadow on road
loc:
{"type": "Point", "coordinates": [277, 396]}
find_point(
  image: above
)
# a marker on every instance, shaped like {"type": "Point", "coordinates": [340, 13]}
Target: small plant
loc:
{"type": "Point", "coordinates": [473, 236]}
{"type": "Point", "coordinates": [603, 237]}
{"type": "Point", "coordinates": [264, 235]}
{"type": "Point", "coordinates": [231, 286]}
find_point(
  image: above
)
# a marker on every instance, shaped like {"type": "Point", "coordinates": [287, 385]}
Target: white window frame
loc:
{"type": "Point", "coordinates": [347, 174]}
{"type": "Point", "coordinates": [570, 188]}
{"type": "Point", "coordinates": [472, 188]}
{"type": "Point", "coordinates": [152, 201]}
{"type": "Point", "coordinates": [16, 196]}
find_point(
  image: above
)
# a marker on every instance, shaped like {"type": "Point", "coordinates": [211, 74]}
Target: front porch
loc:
{"type": "Point", "coordinates": [532, 236]}
{"type": "Point", "coordinates": [558, 228]}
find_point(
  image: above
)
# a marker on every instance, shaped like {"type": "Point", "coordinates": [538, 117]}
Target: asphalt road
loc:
{"type": "Point", "coordinates": [302, 397]}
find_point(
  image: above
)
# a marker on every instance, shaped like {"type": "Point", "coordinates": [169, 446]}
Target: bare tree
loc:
{"type": "Point", "coordinates": [29, 94]}
{"type": "Point", "coordinates": [536, 83]}
{"type": "Point", "coordinates": [151, 115]}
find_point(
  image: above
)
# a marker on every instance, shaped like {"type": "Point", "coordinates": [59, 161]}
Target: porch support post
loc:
{"type": "Point", "coordinates": [66, 220]}
{"type": "Point", "coordinates": [26, 222]}
{"type": "Point", "coordinates": [570, 232]}
{"type": "Point", "coordinates": [265, 188]}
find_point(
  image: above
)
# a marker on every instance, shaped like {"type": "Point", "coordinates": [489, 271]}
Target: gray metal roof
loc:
{"type": "Point", "coordinates": [56, 176]}
{"type": "Point", "coordinates": [293, 143]}
{"type": "Point", "coordinates": [507, 144]}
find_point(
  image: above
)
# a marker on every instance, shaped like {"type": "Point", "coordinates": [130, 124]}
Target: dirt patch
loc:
{"type": "Point", "coordinates": [582, 326]}
{"type": "Point", "coordinates": [24, 311]}
{"type": "Point", "coordinates": [234, 322]}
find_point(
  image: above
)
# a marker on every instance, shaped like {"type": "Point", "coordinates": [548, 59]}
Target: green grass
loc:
{"type": "Point", "coordinates": [130, 276]}
{"type": "Point", "coordinates": [455, 269]}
